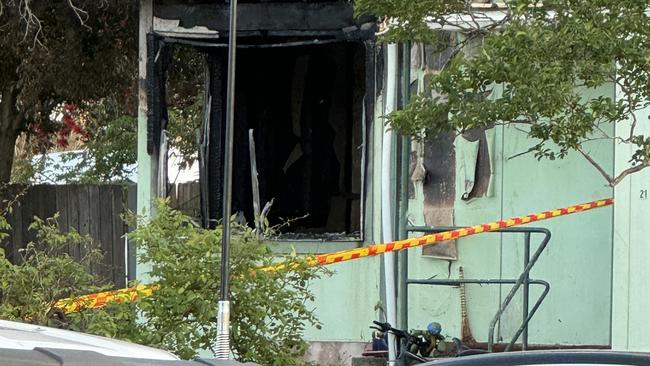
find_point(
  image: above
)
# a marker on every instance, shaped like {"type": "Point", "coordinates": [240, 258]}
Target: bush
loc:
{"type": "Point", "coordinates": [45, 273]}
{"type": "Point", "coordinates": [269, 310]}
{"type": "Point", "coordinates": [4, 228]}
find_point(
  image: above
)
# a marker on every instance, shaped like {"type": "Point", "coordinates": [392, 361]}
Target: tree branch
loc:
{"type": "Point", "coordinates": [612, 182]}
{"type": "Point", "coordinates": [600, 169]}
{"type": "Point", "coordinates": [627, 172]}
{"type": "Point", "coordinates": [468, 4]}
{"type": "Point", "coordinates": [530, 150]}
{"type": "Point", "coordinates": [81, 14]}
{"type": "Point", "coordinates": [31, 20]}
{"type": "Point", "coordinates": [24, 11]}
{"type": "Point", "coordinates": [634, 120]}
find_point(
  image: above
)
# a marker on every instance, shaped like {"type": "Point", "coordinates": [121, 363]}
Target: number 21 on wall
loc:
{"type": "Point", "coordinates": [644, 194]}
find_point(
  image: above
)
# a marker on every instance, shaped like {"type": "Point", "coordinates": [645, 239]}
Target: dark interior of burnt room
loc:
{"type": "Point", "coordinates": [305, 107]}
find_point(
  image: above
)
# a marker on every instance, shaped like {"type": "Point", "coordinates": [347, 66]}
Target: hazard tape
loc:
{"type": "Point", "coordinates": [377, 249]}
{"type": "Point", "coordinates": [101, 299]}
{"type": "Point", "coordinates": [130, 294]}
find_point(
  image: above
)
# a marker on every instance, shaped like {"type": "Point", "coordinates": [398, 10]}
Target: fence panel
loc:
{"type": "Point", "coordinates": [186, 197]}
{"type": "Point", "coordinates": [93, 210]}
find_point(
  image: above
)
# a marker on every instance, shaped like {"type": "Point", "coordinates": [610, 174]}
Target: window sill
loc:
{"type": "Point", "coordinates": [312, 246]}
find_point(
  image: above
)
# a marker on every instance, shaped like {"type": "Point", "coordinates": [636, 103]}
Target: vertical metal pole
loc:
{"type": "Point", "coordinates": [223, 317]}
{"type": "Point", "coordinates": [405, 159]}
{"type": "Point", "coordinates": [524, 335]}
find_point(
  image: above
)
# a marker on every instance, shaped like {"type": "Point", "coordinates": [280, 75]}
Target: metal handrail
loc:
{"type": "Point", "coordinates": [523, 279]}
{"type": "Point", "coordinates": [492, 281]}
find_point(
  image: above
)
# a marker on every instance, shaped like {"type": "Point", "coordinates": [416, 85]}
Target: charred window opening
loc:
{"type": "Point", "coordinates": [305, 87]}
{"type": "Point", "coordinates": [305, 107]}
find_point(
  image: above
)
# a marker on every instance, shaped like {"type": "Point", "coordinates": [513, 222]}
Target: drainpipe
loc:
{"type": "Point", "coordinates": [387, 197]}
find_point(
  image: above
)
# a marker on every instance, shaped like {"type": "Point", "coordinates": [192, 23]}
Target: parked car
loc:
{"type": "Point", "coordinates": [28, 345]}
{"type": "Point", "coordinates": [548, 358]}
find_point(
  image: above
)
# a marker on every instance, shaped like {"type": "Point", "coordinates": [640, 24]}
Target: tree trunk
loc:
{"type": "Point", "coordinates": [7, 144]}
{"type": "Point", "coordinates": [12, 121]}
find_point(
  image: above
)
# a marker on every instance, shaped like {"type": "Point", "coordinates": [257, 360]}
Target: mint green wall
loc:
{"type": "Point", "coordinates": [146, 163]}
{"type": "Point", "coordinates": [345, 302]}
{"type": "Point", "coordinates": [631, 293]}
{"type": "Point", "coordinates": [577, 262]}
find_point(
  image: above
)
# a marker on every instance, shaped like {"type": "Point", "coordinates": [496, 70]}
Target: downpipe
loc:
{"type": "Point", "coordinates": [387, 198]}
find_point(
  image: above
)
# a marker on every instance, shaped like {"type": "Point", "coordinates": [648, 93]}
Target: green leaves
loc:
{"type": "Point", "coordinates": [555, 67]}
{"type": "Point", "coordinates": [409, 18]}
{"type": "Point", "coordinates": [269, 311]}
{"type": "Point", "coordinates": [46, 273]}
{"type": "Point", "coordinates": [49, 58]}
{"type": "Point", "coordinates": [4, 229]}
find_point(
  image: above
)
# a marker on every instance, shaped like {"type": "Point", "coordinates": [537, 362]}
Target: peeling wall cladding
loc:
{"type": "Point", "coordinates": [482, 169]}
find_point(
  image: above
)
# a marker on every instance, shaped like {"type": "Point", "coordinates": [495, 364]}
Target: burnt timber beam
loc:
{"type": "Point", "coordinates": [263, 16]}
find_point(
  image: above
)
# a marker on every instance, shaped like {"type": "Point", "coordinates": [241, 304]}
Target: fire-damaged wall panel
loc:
{"type": "Point", "coordinates": [439, 158]}
{"type": "Point", "coordinates": [446, 158]}
{"type": "Point", "coordinates": [439, 191]}
{"type": "Point", "coordinates": [457, 168]}
{"type": "Point", "coordinates": [213, 164]}
{"type": "Point", "coordinates": [265, 15]}
{"type": "Point", "coordinates": [158, 59]}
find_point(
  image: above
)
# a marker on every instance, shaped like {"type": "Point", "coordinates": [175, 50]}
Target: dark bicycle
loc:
{"type": "Point", "coordinates": [415, 346]}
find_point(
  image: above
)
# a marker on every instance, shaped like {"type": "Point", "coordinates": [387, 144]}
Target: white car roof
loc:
{"type": "Point", "coordinates": [21, 336]}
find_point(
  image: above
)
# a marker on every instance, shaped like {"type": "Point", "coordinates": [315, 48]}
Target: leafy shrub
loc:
{"type": "Point", "coordinates": [269, 310]}
{"type": "Point", "coordinates": [45, 273]}
{"type": "Point", "coordinates": [4, 228]}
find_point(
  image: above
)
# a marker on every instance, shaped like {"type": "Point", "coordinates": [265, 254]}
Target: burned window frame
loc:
{"type": "Point", "coordinates": [158, 50]}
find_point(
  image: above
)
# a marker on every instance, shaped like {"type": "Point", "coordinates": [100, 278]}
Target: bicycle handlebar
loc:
{"type": "Point", "coordinates": [386, 327]}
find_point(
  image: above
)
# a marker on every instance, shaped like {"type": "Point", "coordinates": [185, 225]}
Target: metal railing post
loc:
{"type": "Point", "coordinates": [524, 336]}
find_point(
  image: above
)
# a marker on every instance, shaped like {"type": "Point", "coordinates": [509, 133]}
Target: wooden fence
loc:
{"type": "Point", "coordinates": [93, 210]}
{"type": "Point", "coordinates": [186, 197]}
